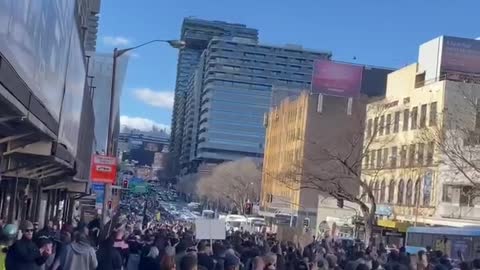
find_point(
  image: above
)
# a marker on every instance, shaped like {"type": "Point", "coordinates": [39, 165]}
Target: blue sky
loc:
{"type": "Point", "coordinates": [377, 32]}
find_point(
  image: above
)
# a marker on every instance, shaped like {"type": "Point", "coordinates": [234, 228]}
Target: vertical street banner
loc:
{"type": "Point", "coordinates": [99, 190]}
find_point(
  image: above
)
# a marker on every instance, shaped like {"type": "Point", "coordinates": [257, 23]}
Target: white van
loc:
{"type": "Point", "coordinates": [235, 222]}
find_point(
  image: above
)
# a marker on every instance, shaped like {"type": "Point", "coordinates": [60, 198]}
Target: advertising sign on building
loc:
{"type": "Point", "coordinates": [336, 79]}
{"type": "Point", "coordinates": [460, 56]}
{"type": "Point", "coordinates": [103, 169]}
{"type": "Point", "coordinates": [99, 190]}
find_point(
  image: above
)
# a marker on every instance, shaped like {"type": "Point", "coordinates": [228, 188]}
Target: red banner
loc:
{"type": "Point", "coordinates": [103, 169]}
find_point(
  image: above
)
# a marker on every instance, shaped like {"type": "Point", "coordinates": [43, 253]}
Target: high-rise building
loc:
{"type": "Point", "coordinates": [230, 92]}
{"type": "Point", "coordinates": [87, 17]}
{"type": "Point", "coordinates": [197, 34]}
{"type": "Point", "coordinates": [429, 106]}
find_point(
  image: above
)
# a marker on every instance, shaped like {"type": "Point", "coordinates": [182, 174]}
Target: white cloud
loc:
{"type": "Point", "coordinates": [143, 124]}
{"type": "Point", "coordinates": [478, 38]}
{"type": "Point", "coordinates": [116, 41]}
{"type": "Point", "coordinates": [161, 99]}
{"type": "Point", "coordinates": [133, 55]}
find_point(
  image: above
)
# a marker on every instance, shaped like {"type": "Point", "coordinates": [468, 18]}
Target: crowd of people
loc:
{"type": "Point", "coordinates": [172, 245]}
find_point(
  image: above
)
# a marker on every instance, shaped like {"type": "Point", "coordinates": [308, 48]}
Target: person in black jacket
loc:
{"type": "Point", "coordinates": [151, 261]}
{"type": "Point", "coordinates": [24, 254]}
{"type": "Point", "coordinates": [108, 256]}
{"type": "Point", "coordinates": [203, 256]}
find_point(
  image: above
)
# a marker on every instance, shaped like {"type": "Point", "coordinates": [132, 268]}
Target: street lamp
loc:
{"type": "Point", "coordinates": [177, 44]}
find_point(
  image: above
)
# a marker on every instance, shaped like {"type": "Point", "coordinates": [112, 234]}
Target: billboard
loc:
{"type": "Point", "coordinates": [103, 169]}
{"type": "Point", "coordinates": [460, 56]}
{"type": "Point", "coordinates": [336, 79]}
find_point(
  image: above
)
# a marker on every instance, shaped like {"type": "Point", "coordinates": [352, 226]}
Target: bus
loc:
{"type": "Point", "coordinates": [453, 242]}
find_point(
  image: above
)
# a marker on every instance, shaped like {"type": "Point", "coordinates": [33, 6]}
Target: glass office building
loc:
{"type": "Point", "coordinates": [230, 92]}
{"type": "Point", "coordinates": [197, 34]}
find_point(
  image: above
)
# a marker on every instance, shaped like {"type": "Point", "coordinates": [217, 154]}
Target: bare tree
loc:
{"type": "Point", "coordinates": [188, 184]}
{"type": "Point", "coordinates": [233, 182]}
{"type": "Point", "coordinates": [455, 135]}
{"type": "Point", "coordinates": [332, 163]}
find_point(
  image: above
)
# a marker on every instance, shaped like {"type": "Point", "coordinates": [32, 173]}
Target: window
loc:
{"type": "Point", "coordinates": [427, 188]}
{"type": "Point", "coordinates": [430, 150]}
{"type": "Point", "coordinates": [396, 122]}
{"type": "Point", "coordinates": [433, 114]}
{"type": "Point", "coordinates": [408, 200]}
{"type": "Point", "coordinates": [385, 158]}
{"type": "Point", "coordinates": [406, 114]}
{"type": "Point", "coordinates": [393, 161]}
{"type": "Point", "coordinates": [423, 116]}
{"type": "Point", "coordinates": [376, 189]}
{"type": "Point", "coordinates": [388, 124]}
{"type": "Point", "coordinates": [420, 151]}
{"type": "Point", "coordinates": [477, 115]}
{"type": "Point", "coordinates": [379, 158]}
{"type": "Point", "coordinates": [382, 191]}
{"type": "Point", "coordinates": [401, 188]}
{"type": "Point", "coordinates": [381, 125]}
{"type": "Point", "coordinates": [367, 161]}
{"type": "Point", "coordinates": [391, 191]}
{"type": "Point", "coordinates": [375, 126]}
{"type": "Point", "coordinates": [466, 197]}
{"type": "Point", "coordinates": [414, 118]}
{"type": "Point", "coordinates": [416, 198]}
{"type": "Point", "coordinates": [372, 159]}
{"type": "Point", "coordinates": [403, 156]}
{"type": "Point", "coordinates": [447, 193]}
{"type": "Point", "coordinates": [369, 127]}
{"type": "Point", "coordinates": [411, 155]}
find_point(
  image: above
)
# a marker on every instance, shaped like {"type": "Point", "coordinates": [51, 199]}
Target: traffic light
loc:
{"type": "Point", "coordinates": [340, 203]}
{"type": "Point", "coordinates": [109, 205]}
{"type": "Point", "coordinates": [306, 222]}
{"type": "Point", "coordinates": [125, 184]}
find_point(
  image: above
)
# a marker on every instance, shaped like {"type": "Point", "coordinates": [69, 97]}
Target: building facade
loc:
{"type": "Point", "coordinates": [230, 93]}
{"type": "Point", "coordinates": [197, 34]}
{"type": "Point", "coordinates": [46, 106]}
{"type": "Point", "coordinates": [299, 137]}
{"type": "Point", "coordinates": [427, 107]}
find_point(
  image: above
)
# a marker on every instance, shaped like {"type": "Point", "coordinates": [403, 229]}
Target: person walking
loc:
{"type": "Point", "coordinates": [9, 234]}
{"type": "Point", "coordinates": [24, 254]}
{"type": "Point", "coordinates": [109, 258]}
{"type": "Point", "coordinates": [151, 261]}
{"type": "Point", "coordinates": [79, 254]}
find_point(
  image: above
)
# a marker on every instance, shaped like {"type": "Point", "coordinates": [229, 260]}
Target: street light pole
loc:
{"type": "Point", "coordinates": [177, 44]}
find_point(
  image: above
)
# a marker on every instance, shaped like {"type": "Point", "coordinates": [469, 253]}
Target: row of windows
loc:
{"type": "Point", "coordinates": [403, 193]}
{"type": "Point", "coordinates": [267, 50]}
{"type": "Point", "coordinates": [385, 125]}
{"type": "Point", "coordinates": [261, 59]}
{"type": "Point", "coordinates": [461, 195]}
{"type": "Point", "coordinates": [410, 155]}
